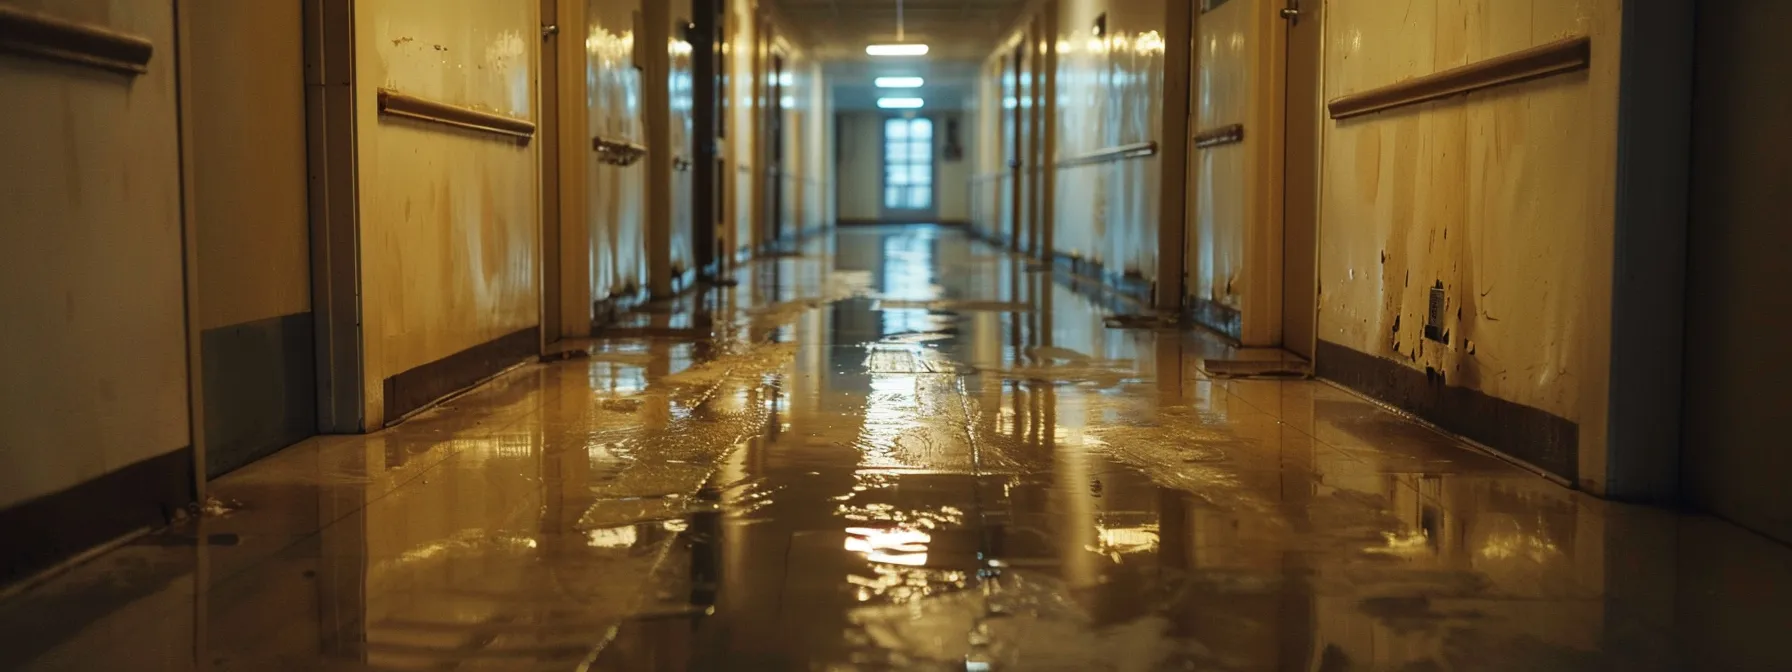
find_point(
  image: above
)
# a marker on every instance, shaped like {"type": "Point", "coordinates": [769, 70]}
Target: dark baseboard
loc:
{"type": "Point", "coordinates": [421, 386]}
{"type": "Point", "coordinates": [1538, 438]}
{"type": "Point", "coordinates": [987, 235]}
{"type": "Point", "coordinates": [52, 528]}
{"type": "Point", "coordinates": [260, 389]}
{"type": "Point", "coordinates": [1129, 286]}
{"type": "Point", "coordinates": [1216, 316]}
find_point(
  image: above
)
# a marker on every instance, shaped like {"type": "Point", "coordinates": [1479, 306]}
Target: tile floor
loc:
{"type": "Point", "coordinates": [904, 450]}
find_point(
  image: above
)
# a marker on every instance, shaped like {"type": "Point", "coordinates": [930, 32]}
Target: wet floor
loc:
{"type": "Point", "coordinates": [901, 449]}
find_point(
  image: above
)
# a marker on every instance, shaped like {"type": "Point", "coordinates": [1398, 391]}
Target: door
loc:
{"type": "Point", "coordinates": [908, 193]}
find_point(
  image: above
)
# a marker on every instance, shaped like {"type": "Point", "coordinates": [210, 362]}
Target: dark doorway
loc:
{"type": "Point", "coordinates": [708, 128]}
{"type": "Point", "coordinates": [774, 127]}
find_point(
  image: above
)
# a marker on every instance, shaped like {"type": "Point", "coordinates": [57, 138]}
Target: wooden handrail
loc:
{"type": "Point", "coordinates": [1117, 153]}
{"type": "Point", "coordinates": [1224, 135]}
{"type": "Point", "coordinates": [617, 152]}
{"type": "Point", "coordinates": [423, 109]}
{"type": "Point", "coordinates": [50, 38]}
{"type": "Point", "coordinates": [1575, 53]}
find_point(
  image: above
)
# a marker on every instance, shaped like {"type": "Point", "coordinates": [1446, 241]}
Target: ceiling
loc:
{"type": "Point", "coordinates": [958, 33]}
{"type": "Point", "coordinates": [950, 84]}
{"type": "Point", "coordinates": [952, 29]}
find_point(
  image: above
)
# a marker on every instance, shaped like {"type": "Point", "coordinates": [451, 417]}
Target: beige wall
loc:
{"type": "Point", "coordinates": [250, 207]}
{"type": "Point", "coordinates": [860, 136]}
{"type": "Point", "coordinates": [1503, 195]}
{"type": "Point", "coordinates": [1227, 183]}
{"type": "Point", "coordinates": [953, 177]}
{"type": "Point", "coordinates": [990, 151]}
{"type": "Point", "coordinates": [617, 201]}
{"type": "Point", "coordinates": [249, 161]}
{"type": "Point", "coordinates": [1736, 365]}
{"type": "Point", "coordinates": [1109, 92]}
{"type": "Point", "coordinates": [803, 177]}
{"type": "Point", "coordinates": [680, 98]}
{"type": "Point", "coordinates": [615, 194]}
{"type": "Point", "coordinates": [449, 220]}
{"type": "Point", "coordinates": [90, 262]}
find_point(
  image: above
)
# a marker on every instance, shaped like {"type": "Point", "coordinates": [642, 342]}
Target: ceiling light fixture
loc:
{"type": "Point", "coordinates": [900, 103]}
{"type": "Point", "coordinates": [901, 48]}
{"type": "Point", "coordinates": [900, 82]}
{"type": "Point", "coordinates": [897, 50]}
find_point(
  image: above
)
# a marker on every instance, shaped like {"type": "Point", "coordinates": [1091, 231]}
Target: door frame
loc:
{"type": "Point", "coordinates": [552, 206]}
{"type": "Point", "coordinates": [330, 139]}
{"type": "Point", "coordinates": [567, 237]}
{"type": "Point", "coordinates": [1302, 167]}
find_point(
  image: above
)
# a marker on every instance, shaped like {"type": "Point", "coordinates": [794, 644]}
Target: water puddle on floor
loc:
{"type": "Point", "coordinates": [906, 453]}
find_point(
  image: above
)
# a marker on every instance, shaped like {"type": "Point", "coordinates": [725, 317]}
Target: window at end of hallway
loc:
{"type": "Point", "coordinates": [908, 164]}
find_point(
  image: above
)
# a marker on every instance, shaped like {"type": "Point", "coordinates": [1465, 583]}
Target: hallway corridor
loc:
{"type": "Point", "coordinates": [900, 448]}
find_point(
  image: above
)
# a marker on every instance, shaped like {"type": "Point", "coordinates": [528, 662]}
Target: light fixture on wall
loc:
{"type": "Point", "coordinates": [902, 47]}
{"type": "Point", "coordinates": [899, 82]}
{"type": "Point", "coordinates": [900, 103]}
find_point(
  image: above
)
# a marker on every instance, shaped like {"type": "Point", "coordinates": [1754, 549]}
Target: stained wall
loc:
{"type": "Point", "coordinates": [680, 94]}
{"type": "Point", "coordinates": [1229, 183]}
{"type": "Point", "coordinates": [1503, 196]}
{"type": "Point", "coordinates": [449, 219]}
{"type": "Point", "coordinates": [615, 195]}
{"type": "Point", "coordinates": [1109, 94]}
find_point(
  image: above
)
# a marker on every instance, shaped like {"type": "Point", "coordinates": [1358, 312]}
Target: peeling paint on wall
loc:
{"type": "Point", "coordinates": [1500, 196]}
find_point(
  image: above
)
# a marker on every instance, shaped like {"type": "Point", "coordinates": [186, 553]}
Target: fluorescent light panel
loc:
{"type": "Point", "coordinates": [900, 82]}
{"type": "Point", "coordinates": [897, 50]}
{"type": "Point", "coordinates": [900, 103]}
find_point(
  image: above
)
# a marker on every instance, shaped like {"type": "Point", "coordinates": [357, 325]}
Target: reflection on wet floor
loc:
{"type": "Point", "coordinates": [904, 450]}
